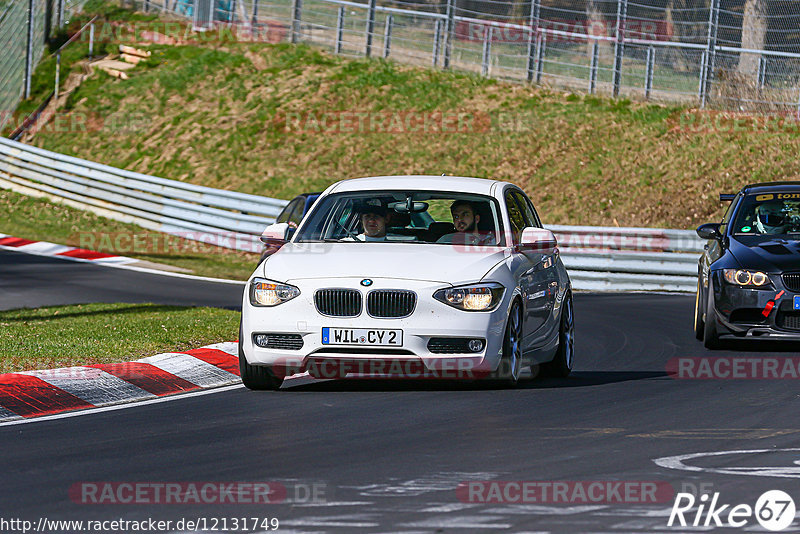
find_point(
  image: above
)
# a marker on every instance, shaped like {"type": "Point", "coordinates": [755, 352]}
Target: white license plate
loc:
{"type": "Point", "coordinates": [362, 336]}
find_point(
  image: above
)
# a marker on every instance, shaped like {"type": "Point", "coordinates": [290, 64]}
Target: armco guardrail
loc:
{"type": "Point", "coordinates": [225, 218]}
{"type": "Point", "coordinates": [598, 258]}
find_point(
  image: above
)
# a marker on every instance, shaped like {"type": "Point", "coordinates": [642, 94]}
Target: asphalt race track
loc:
{"type": "Point", "coordinates": [388, 455]}
{"type": "Point", "coordinates": [29, 281]}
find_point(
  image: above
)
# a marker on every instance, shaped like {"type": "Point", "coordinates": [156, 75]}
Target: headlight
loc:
{"type": "Point", "coordinates": [268, 293]}
{"type": "Point", "coordinates": [478, 297]}
{"type": "Point", "coordinates": [742, 277]}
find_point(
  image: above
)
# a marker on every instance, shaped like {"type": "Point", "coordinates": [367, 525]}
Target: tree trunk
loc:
{"type": "Point", "coordinates": [754, 34]}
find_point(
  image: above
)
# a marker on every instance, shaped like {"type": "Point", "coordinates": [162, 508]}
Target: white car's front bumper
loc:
{"type": "Point", "coordinates": [430, 319]}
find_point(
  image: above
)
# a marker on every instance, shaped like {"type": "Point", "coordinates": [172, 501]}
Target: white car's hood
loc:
{"type": "Point", "coordinates": [438, 263]}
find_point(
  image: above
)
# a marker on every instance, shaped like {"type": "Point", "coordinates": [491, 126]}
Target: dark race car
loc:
{"type": "Point", "coordinates": [291, 214]}
{"type": "Point", "coordinates": [749, 273]}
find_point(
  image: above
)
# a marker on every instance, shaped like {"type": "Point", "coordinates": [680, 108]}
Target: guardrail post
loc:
{"type": "Point", "coordinates": [387, 35]}
{"type": "Point", "coordinates": [648, 77]}
{"type": "Point", "coordinates": [593, 67]}
{"type": "Point", "coordinates": [449, 32]}
{"type": "Point", "coordinates": [541, 44]}
{"type": "Point", "coordinates": [762, 72]}
{"type": "Point", "coordinates": [29, 49]}
{"type": "Point", "coordinates": [487, 50]}
{"type": "Point", "coordinates": [370, 27]}
{"type": "Point", "coordinates": [297, 8]}
{"type": "Point", "coordinates": [619, 44]}
{"type": "Point", "coordinates": [339, 29]}
{"type": "Point", "coordinates": [711, 52]}
{"type": "Point", "coordinates": [437, 32]}
{"type": "Point", "coordinates": [533, 24]}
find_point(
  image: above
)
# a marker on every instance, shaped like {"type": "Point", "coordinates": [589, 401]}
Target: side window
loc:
{"type": "Point", "coordinates": [283, 216]}
{"type": "Point", "coordinates": [297, 213]}
{"type": "Point", "coordinates": [528, 213]}
{"type": "Point", "coordinates": [515, 216]}
{"type": "Point", "coordinates": [729, 213]}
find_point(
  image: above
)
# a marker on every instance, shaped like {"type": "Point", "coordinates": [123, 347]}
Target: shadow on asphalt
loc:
{"type": "Point", "coordinates": [577, 379]}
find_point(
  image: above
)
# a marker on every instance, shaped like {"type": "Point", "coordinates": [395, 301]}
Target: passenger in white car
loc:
{"type": "Point", "coordinates": [465, 220]}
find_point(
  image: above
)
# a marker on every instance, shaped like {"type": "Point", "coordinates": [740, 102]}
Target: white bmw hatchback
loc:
{"type": "Point", "coordinates": [409, 276]}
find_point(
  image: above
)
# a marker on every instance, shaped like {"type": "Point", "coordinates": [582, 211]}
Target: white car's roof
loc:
{"type": "Point", "coordinates": [420, 183]}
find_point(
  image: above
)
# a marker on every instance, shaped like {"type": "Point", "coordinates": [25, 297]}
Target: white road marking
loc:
{"type": "Point", "coordinates": [677, 462]}
{"type": "Point", "coordinates": [91, 411]}
{"type": "Point", "coordinates": [464, 521]}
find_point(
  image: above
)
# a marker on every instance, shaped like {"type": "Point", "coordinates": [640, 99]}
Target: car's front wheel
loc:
{"type": "Point", "coordinates": [710, 335]}
{"type": "Point", "coordinates": [699, 325]}
{"type": "Point", "coordinates": [561, 365]}
{"type": "Point", "coordinates": [258, 377]}
{"type": "Point", "coordinates": [510, 367]}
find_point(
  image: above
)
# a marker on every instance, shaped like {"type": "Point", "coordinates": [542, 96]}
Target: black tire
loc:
{"type": "Point", "coordinates": [510, 368]}
{"type": "Point", "coordinates": [699, 324]}
{"type": "Point", "coordinates": [563, 361]}
{"type": "Point", "coordinates": [256, 377]}
{"type": "Point", "coordinates": [710, 335]}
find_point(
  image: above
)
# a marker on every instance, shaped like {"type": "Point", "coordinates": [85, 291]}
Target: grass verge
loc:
{"type": "Point", "coordinates": [41, 220]}
{"type": "Point", "coordinates": [83, 334]}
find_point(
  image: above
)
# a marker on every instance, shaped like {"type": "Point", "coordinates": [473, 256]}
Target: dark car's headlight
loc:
{"type": "Point", "coordinates": [475, 297]}
{"type": "Point", "coordinates": [268, 293]}
{"type": "Point", "coordinates": [745, 278]}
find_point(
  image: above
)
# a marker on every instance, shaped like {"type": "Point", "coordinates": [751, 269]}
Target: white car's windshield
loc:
{"type": "Point", "coordinates": [404, 217]}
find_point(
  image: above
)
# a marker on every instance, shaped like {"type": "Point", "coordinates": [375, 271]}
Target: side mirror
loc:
{"type": "Point", "coordinates": [276, 235]}
{"type": "Point", "coordinates": [709, 231]}
{"type": "Point", "coordinates": [538, 240]}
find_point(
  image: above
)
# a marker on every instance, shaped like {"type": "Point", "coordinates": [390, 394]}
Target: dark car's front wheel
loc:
{"type": "Point", "coordinates": [710, 335]}
{"type": "Point", "coordinates": [257, 377]}
{"type": "Point", "coordinates": [699, 325]}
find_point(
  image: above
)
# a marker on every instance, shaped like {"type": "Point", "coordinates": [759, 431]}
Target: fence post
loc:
{"type": "Point", "coordinates": [762, 72]}
{"type": "Point", "coordinates": [541, 44]}
{"type": "Point", "coordinates": [708, 74]}
{"type": "Point", "coordinates": [91, 40]}
{"type": "Point", "coordinates": [701, 86]}
{"type": "Point", "coordinates": [533, 23]}
{"type": "Point", "coordinates": [29, 49]}
{"type": "Point", "coordinates": [339, 29]}
{"type": "Point", "coordinates": [437, 32]}
{"type": "Point", "coordinates": [58, 76]}
{"type": "Point", "coordinates": [370, 27]}
{"type": "Point", "coordinates": [487, 50]}
{"type": "Point", "coordinates": [387, 35]}
{"type": "Point", "coordinates": [619, 44]}
{"type": "Point", "coordinates": [648, 77]}
{"type": "Point", "coordinates": [449, 30]}
{"type": "Point", "coordinates": [297, 8]}
{"type": "Point", "coordinates": [60, 13]}
{"type": "Point", "coordinates": [593, 67]}
{"type": "Point", "coordinates": [254, 18]}
{"type": "Point", "coordinates": [146, 6]}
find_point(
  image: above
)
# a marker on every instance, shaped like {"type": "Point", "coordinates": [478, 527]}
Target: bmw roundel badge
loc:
{"type": "Point", "coordinates": [366, 282]}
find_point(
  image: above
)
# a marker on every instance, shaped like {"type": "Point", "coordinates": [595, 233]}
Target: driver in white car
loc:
{"type": "Point", "coordinates": [375, 217]}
